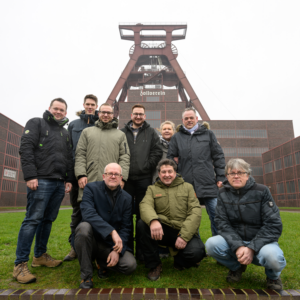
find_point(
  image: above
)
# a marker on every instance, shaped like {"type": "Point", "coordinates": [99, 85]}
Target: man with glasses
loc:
{"type": "Point", "coordinates": [98, 146]}
{"type": "Point", "coordinates": [145, 153]}
{"type": "Point", "coordinates": [249, 226]}
{"type": "Point", "coordinates": [105, 228]}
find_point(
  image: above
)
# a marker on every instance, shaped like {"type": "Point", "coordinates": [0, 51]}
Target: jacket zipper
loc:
{"type": "Point", "coordinates": [241, 213]}
{"type": "Point", "coordinates": [89, 166]}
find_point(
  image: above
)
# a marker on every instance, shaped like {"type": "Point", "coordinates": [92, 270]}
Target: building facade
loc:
{"type": "Point", "coordinates": [281, 168]}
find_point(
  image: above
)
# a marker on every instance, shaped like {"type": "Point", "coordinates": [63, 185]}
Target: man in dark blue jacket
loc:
{"type": "Point", "coordinates": [87, 118]}
{"type": "Point", "coordinates": [105, 228]}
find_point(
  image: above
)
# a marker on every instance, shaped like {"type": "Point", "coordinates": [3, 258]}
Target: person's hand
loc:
{"type": "Point", "coordinates": [219, 184]}
{"type": "Point", "coordinates": [117, 240]}
{"type": "Point", "coordinates": [176, 160]}
{"type": "Point", "coordinates": [32, 184]}
{"type": "Point", "coordinates": [68, 187]}
{"type": "Point", "coordinates": [244, 255]}
{"type": "Point", "coordinates": [180, 243]}
{"type": "Point", "coordinates": [113, 258]}
{"type": "Point", "coordinates": [122, 184]}
{"type": "Point", "coordinates": [82, 182]}
{"type": "Point", "coordinates": [156, 230]}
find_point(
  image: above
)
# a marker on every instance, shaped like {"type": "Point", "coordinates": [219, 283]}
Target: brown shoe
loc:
{"type": "Point", "coordinates": [22, 273]}
{"type": "Point", "coordinates": [45, 260]}
{"type": "Point", "coordinates": [154, 273]}
{"type": "Point", "coordinates": [71, 255]}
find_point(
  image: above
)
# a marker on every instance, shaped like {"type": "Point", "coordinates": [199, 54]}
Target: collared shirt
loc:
{"type": "Point", "coordinates": [135, 131]}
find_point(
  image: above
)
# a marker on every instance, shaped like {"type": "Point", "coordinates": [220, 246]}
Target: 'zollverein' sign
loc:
{"type": "Point", "coordinates": [148, 93]}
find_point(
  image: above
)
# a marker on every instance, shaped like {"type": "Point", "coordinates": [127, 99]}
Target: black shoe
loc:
{"type": "Point", "coordinates": [102, 273]}
{"type": "Point", "coordinates": [236, 276]}
{"type": "Point", "coordinates": [274, 284]}
{"type": "Point", "coordinates": [86, 284]}
{"type": "Point", "coordinates": [154, 273]}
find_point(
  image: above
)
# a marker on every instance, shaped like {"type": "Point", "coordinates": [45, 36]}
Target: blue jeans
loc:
{"type": "Point", "coordinates": [210, 205]}
{"type": "Point", "coordinates": [42, 209]}
{"type": "Point", "coordinates": [269, 256]}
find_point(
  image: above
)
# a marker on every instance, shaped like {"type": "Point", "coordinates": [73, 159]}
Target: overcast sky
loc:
{"type": "Point", "coordinates": [241, 57]}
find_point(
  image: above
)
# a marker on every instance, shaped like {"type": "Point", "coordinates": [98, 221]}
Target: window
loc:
{"type": "Point", "coordinates": [226, 133]}
{"type": "Point", "coordinates": [290, 187]}
{"type": "Point", "coordinates": [280, 188]}
{"type": "Point", "coordinates": [153, 118]}
{"type": "Point", "coordinates": [268, 167]}
{"type": "Point", "coordinates": [277, 164]}
{"type": "Point", "coordinates": [288, 162]}
{"type": "Point", "coordinates": [251, 133]}
{"type": "Point", "coordinates": [299, 184]}
{"type": "Point", "coordinates": [154, 123]}
{"type": "Point", "coordinates": [152, 99]}
{"type": "Point", "coordinates": [281, 197]}
{"type": "Point", "coordinates": [297, 157]}
{"type": "Point", "coordinates": [257, 171]}
{"type": "Point", "coordinates": [292, 196]}
{"type": "Point", "coordinates": [229, 152]}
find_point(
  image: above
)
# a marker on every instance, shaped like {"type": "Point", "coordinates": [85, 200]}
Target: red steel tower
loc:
{"type": "Point", "coordinates": [160, 56]}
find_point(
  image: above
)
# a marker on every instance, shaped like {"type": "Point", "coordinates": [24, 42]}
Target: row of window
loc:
{"type": "Point", "coordinates": [244, 133]}
{"type": "Point", "coordinates": [244, 152]}
{"type": "Point", "coordinates": [290, 187]}
{"type": "Point", "coordinates": [277, 165]}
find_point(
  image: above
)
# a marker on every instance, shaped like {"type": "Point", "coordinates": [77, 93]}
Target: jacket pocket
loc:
{"type": "Point", "coordinates": [89, 167]}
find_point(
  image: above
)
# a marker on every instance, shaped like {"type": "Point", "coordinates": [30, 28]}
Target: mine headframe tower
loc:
{"type": "Point", "coordinates": [160, 56]}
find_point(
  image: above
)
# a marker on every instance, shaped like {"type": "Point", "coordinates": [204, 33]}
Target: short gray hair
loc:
{"type": "Point", "coordinates": [166, 162]}
{"type": "Point", "coordinates": [238, 163]}
{"type": "Point", "coordinates": [189, 109]}
{"type": "Point", "coordinates": [167, 122]}
{"type": "Point", "coordinates": [109, 164]}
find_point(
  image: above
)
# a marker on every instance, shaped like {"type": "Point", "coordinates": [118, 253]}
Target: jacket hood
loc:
{"type": "Point", "coordinates": [47, 116]}
{"type": "Point", "coordinates": [85, 117]}
{"type": "Point", "coordinates": [177, 181]}
{"type": "Point", "coordinates": [250, 182]}
{"type": "Point", "coordinates": [114, 123]}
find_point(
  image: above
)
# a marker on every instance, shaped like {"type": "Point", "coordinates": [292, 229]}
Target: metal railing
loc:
{"type": "Point", "coordinates": [152, 23]}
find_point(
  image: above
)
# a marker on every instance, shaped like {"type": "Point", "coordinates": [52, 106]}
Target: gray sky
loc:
{"type": "Point", "coordinates": [241, 57]}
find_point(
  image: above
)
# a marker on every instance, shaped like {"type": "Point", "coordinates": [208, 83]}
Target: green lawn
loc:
{"type": "Point", "coordinates": [208, 275]}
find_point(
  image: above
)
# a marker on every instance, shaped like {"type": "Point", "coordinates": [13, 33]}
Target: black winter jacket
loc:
{"type": "Point", "coordinates": [201, 159]}
{"type": "Point", "coordinates": [145, 153]}
{"type": "Point", "coordinates": [247, 214]}
{"type": "Point", "coordinates": [46, 150]}
{"type": "Point", "coordinates": [75, 128]}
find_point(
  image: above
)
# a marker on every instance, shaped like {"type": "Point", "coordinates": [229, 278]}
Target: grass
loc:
{"type": "Point", "coordinates": [289, 207]}
{"type": "Point", "coordinates": [24, 207]}
{"type": "Point", "coordinates": [208, 275]}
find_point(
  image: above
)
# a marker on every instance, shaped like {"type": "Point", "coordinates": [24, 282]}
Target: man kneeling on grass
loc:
{"type": "Point", "coordinates": [170, 216]}
{"type": "Point", "coordinates": [104, 231]}
{"type": "Point", "coordinates": [249, 226]}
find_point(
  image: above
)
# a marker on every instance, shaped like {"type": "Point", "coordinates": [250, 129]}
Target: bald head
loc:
{"type": "Point", "coordinates": [112, 175]}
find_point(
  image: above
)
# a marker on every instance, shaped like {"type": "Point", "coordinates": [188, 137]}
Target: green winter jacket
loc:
{"type": "Point", "coordinates": [176, 206]}
{"type": "Point", "coordinates": [98, 146]}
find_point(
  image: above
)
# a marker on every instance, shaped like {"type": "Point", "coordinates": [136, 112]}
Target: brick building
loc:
{"type": "Point", "coordinates": [281, 168]}
{"type": "Point", "coordinates": [12, 184]}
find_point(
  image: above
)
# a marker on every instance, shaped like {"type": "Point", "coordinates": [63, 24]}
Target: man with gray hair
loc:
{"type": "Point", "coordinates": [201, 160]}
{"type": "Point", "coordinates": [249, 226]}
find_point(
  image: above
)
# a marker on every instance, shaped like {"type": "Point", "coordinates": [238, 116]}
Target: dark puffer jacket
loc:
{"type": "Point", "coordinates": [46, 150]}
{"type": "Point", "coordinates": [247, 214]}
{"type": "Point", "coordinates": [75, 128]}
{"type": "Point", "coordinates": [201, 159]}
{"type": "Point", "coordinates": [145, 152]}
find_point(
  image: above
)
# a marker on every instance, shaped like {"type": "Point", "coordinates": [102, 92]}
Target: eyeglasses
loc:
{"type": "Point", "coordinates": [106, 113]}
{"type": "Point", "coordinates": [140, 115]}
{"type": "Point", "coordinates": [239, 174]}
{"type": "Point", "coordinates": [112, 174]}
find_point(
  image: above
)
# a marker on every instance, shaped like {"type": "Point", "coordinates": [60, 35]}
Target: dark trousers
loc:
{"type": "Point", "coordinates": [76, 214]}
{"type": "Point", "coordinates": [88, 249]}
{"type": "Point", "coordinates": [137, 190]}
{"type": "Point", "coordinates": [193, 253]}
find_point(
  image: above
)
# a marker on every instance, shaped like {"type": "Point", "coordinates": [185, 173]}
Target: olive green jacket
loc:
{"type": "Point", "coordinates": [98, 146]}
{"type": "Point", "coordinates": [176, 206]}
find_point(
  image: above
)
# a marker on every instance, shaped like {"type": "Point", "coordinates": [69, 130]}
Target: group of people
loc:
{"type": "Point", "coordinates": [113, 174]}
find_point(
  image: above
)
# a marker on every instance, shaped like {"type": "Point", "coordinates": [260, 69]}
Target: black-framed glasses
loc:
{"type": "Point", "coordinates": [113, 174]}
{"type": "Point", "coordinates": [106, 113]}
{"type": "Point", "coordinates": [239, 174]}
{"type": "Point", "coordinates": [138, 115]}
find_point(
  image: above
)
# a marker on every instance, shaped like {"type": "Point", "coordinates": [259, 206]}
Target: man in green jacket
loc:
{"type": "Point", "coordinates": [99, 146]}
{"type": "Point", "coordinates": [170, 216]}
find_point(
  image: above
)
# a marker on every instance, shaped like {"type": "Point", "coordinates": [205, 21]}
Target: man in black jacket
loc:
{"type": "Point", "coordinates": [201, 160]}
{"type": "Point", "coordinates": [87, 118]}
{"type": "Point", "coordinates": [249, 226]}
{"type": "Point", "coordinates": [47, 164]}
{"type": "Point", "coordinates": [145, 153]}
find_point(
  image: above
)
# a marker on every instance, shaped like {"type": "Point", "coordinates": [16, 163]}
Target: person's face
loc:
{"type": "Point", "coordinates": [90, 106]}
{"type": "Point", "coordinates": [138, 116]}
{"type": "Point", "coordinates": [112, 176]}
{"type": "Point", "coordinates": [237, 178]}
{"type": "Point", "coordinates": [189, 119]}
{"type": "Point", "coordinates": [167, 132]}
{"type": "Point", "coordinates": [58, 110]}
{"type": "Point", "coordinates": [166, 174]}
{"type": "Point", "coordinates": [106, 114]}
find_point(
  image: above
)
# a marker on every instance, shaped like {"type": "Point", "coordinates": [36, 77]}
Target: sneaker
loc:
{"type": "Point", "coordinates": [274, 284]}
{"type": "Point", "coordinates": [45, 260]}
{"type": "Point", "coordinates": [102, 273]}
{"type": "Point", "coordinates": [178, 268]}
{"type": "Point", "coordinates": [71, 255]}
{"type": "Point", "coordinates": [163, 255]}
{"type": "Point", "coordinates": [22, 273]}
{"type": "Point", "coordinates": [86, 284]}
{"type": "Point", "coordinates": [236, 276]}
{"type": "Point", "coordinates": [154, 273]}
